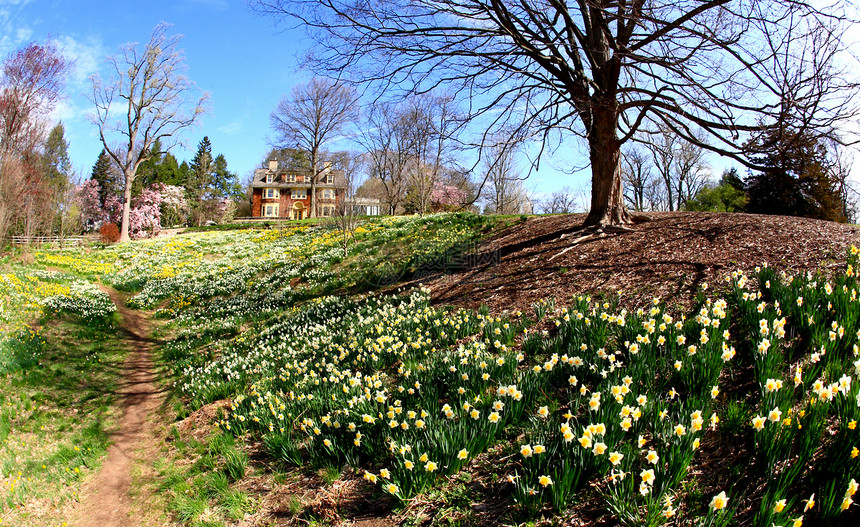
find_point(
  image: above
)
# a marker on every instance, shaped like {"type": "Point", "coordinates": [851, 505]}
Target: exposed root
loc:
{"type": "Point", "coordinates": [589, 233]}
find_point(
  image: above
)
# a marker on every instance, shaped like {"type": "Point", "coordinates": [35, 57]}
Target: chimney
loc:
{"type": "Point", "coordinates": [273, 165]}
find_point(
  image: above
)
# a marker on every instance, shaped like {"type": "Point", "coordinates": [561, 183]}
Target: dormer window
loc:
{"type": "Point", "coordinates": [291, 178]}
{"type": "Point", "coordinates": [270, 178]}
{"type": "Point", "coordinates": [328, 180]}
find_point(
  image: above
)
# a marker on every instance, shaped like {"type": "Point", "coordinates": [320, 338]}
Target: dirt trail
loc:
{"type": "Point", "coordinates": [105, 499]}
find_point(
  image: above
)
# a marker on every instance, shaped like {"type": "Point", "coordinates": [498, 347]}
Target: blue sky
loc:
{"type": "Point", "coordinates": [244, 61]}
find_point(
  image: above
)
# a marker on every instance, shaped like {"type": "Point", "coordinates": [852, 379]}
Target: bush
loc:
{"type": "Point", "coordinates": [110, 233]}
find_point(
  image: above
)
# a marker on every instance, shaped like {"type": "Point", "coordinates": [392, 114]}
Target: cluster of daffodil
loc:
{"type": "Point", "coordinates": [367, 379]}
{"type": "Point", "coordinates": [616, 414]}
{"type": "Point", "coordinates": [27, 294]}
{"type": "Point", "coordinates": [588, 394]}
{"type": "Point", "coordinates": [801, 335]}
{"type": "Point", "coordinates": [83, 299]}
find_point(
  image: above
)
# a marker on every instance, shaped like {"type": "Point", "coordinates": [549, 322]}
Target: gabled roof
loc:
{"type": "Point", "coordinates": [261, 174]}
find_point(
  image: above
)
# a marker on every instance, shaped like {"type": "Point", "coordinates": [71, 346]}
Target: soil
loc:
{"type": "Point", "coordinates": [671, 256]}
{"type": "Point", "coordinates": [105, 500]}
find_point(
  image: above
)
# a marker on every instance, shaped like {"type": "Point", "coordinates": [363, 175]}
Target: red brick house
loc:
{"type": "Point", "coordinates": [286, 193]}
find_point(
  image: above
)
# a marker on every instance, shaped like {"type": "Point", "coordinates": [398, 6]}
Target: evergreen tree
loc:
{"type": "Point", "coordinates": [732, 179]}
{"type": "Point", "coordinates": [796, 180]}
{"type": "Point", "coordinates": [289, 159]}
{"type": "Point", "coordinates": [225, 184]}
{"type": "Point", "coordinates": [199, 182]}
{"type": "Point", "coordinates": [109, 180]}
{"type": "Point", "coordinates": [57, 166]}
{"type": "Point", "coordinates": [169, 171]}
{"type": "Point", "coordinates": [147, 172]}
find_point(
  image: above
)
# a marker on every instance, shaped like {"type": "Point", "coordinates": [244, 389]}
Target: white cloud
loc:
{"type": "Point", "coordinates": [87, 55]}
{"type": "Point", "coordinates": [12, 31]}
{"type": "Point", "coordinates": [231, 128]}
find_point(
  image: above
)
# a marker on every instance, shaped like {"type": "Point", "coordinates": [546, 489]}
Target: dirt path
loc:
{"type": "Point", "coordinates": [105, 499]}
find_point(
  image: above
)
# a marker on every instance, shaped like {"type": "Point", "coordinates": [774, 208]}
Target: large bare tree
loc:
{"type": "Point", "coordinates": [147, 100]}
{"type": "Point", "coordinates": [636, 174]}
{"type": "Point", "coordinates": [598, 68]}
{"type": "Point", "coordinates": [31, 84]}
{"type": "Point", "coordinates": [313, 115]}
{"type": "Point", "coordinates": [507, 195]}
{"type": "Point", "coordinates": [385, 139]}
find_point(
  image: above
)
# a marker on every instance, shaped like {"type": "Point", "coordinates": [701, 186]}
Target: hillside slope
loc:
{"type": "Point", "coordinates": [670, 257]}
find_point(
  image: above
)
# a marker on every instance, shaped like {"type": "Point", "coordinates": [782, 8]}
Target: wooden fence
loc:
{"type": "Point", "coordinates": [62, 241]}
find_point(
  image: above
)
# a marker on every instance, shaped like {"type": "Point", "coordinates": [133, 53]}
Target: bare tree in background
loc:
{"type": "Point", "coordinates": [148, 89]}
{"type": "Point", "coordinates": [312, 116]}
{"type": "Point", "coordinates": [663, 147]}
{"type": "Point", "coordinates": [431, 121]}
{"type": "Point", "coordinates": [636, 173]}
{"type": "Point", "coordinates": [841, 163]}
{"type": "Point", "coordinates": [562, 201]}
{"type": "Point", "coordinates": [507, 195]}
{"type": "Point", "coordinates": [385, 139]}
{"type": "Point", "coordinates": [600, 69]}
{"type": "Point", "coordinates": [680, 165]}
{"type": "Point", "coordinates": [31, 84]}
{"type": "Point", "coordinates": [346, 214]}
{"type": "Point", "coordinates": [410, 148]}
{"type": "Point", "coordinates": [692, 171]}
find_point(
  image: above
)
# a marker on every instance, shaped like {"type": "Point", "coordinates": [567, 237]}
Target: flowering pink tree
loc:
{"type": "Point", "coordinates": [144, 219]}
{"type": "Point", "coordinates": [89, 203]}
{"type": "Point", "coordinates": [174, 206]}
{"type": "Point", "coordinates": [145, 215]}
{"type": "Point", "coordinates": [446, 197]}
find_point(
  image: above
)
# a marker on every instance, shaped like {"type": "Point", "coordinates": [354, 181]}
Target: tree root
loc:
{"type": "Point", "coordinates": [591, 232]}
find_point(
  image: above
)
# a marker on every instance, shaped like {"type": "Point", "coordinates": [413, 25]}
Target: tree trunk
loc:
{"type": "Point", "coordinates": [607, 196]}
{"type": "Point", "coordinates": [126, 209]}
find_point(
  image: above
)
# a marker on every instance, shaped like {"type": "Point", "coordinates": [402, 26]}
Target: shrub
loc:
{"type": "Point", "coordinates": [110, 233]}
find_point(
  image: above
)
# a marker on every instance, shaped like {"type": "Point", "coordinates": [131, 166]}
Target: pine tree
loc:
{"type": "Point", "coordinates": [169, 171]}
{"type": "Point", "coordinates": [109, 179]}
{"type": "Point", "coordinates": [57, 166]}
{"type": "Point", "coordinates": [796, 180]}
{"type": "Point", "coordinates": [199, 182]}
{"type": "Point", "coordinates": [147, 172]}
{"type": "Point", "coordinates": [225, 184]}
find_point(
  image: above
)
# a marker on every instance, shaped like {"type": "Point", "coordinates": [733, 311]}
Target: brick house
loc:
{"type": "Point", "coordinates": [286, 193]}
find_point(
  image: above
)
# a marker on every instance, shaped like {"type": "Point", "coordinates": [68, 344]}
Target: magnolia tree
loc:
{"type": "Point", "coordinates": [154, 205]}
{"type": "Point", "coordinates": [174, 205]}
{"type": "Point", "coordinates": [89, 203]}
{"type": "Point", "coordinates": [447, 197]}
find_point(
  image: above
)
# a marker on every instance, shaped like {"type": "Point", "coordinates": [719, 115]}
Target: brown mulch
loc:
{"type": "Point", "coordinates": [670, 257]}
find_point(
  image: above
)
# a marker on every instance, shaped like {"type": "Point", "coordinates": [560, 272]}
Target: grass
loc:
{"type": "Point", "coordinates": [58, 409]}
{"type": "Point", "coordinates": [202, 492]}
{"type": "Point", "coordinates": [316, 383]}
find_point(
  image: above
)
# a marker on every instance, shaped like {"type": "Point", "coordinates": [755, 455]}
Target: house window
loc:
{"type": "Point", "coordinates": [291, 178]}
{"type": "Point", "coordinates": [328, 180]}
{"type": "Point", "coordinates": [270, 178]}
{"type": "Point", "coordinates": [272, 193]}
{"type": "Point", "coordinates": [299, 193]}
{"type": "Point", "coordinates": [271, 211]}
{"type": "Point", "coordinates": [326, 211]}
{"type": "Point", "coordinates": [327, 193]}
